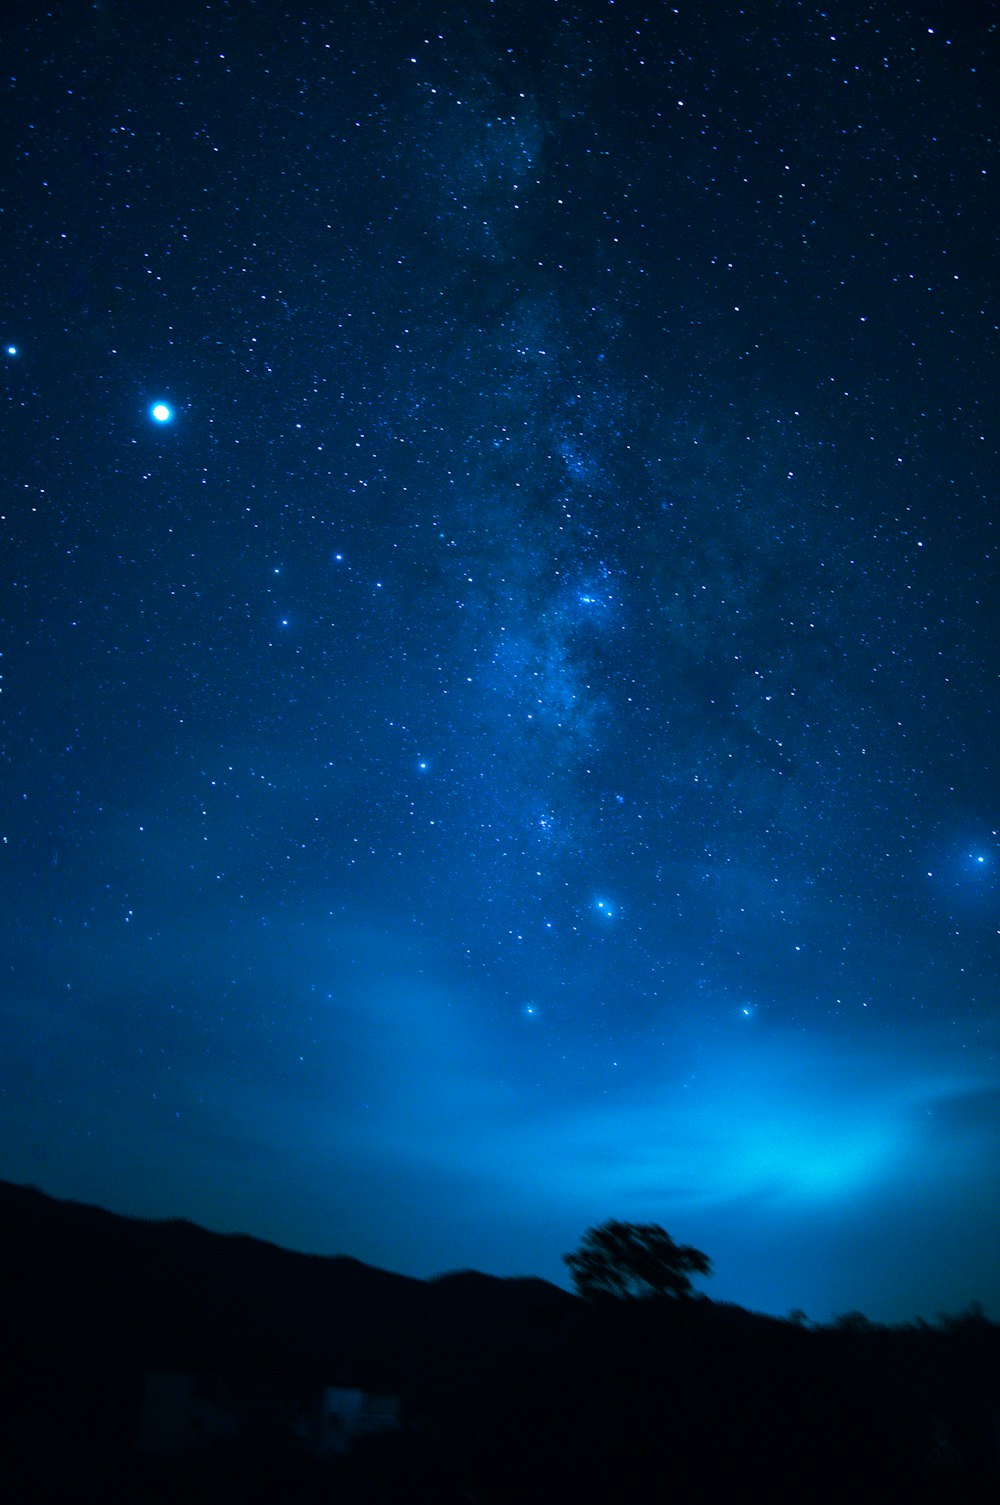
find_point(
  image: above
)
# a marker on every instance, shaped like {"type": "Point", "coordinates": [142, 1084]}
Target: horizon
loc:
{"type": "Point", "coordinates": [566, 1284]}
{"type": "Point", "coordinates": [702, 1284]}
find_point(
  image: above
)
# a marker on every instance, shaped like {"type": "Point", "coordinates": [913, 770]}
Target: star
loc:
{"type": "Point", "coordinates": [162, 412]}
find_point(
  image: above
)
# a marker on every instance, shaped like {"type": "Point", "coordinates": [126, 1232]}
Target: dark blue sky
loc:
{"type": "Point", "coordinates": [517, 746]}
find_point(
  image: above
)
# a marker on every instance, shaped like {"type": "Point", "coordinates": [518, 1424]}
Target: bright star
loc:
{"type": "Point", "coordinates": [11, 349]}
{"type": "Point", "coordinates": [162, 412]}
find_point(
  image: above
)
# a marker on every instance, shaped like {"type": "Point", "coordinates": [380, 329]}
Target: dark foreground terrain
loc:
{"type": "Point", "coordinates": [507, 1390]}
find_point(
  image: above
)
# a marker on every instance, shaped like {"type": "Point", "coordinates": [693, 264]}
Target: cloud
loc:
{"type": "Point", "coordinates": [345, 1095]}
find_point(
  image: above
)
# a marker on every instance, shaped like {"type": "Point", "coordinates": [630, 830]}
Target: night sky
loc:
{"type": "Point", "coordinates": [500, 632]}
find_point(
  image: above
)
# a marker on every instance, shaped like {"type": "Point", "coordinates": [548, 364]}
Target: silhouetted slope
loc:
{"type": "Point", "coordinates": [517, 1389]}
{"type": "Point", "coordinates": [172, 1294]}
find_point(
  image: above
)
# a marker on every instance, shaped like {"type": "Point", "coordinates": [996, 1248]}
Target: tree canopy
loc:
{"type": "Point", "coordinates": [634, 1259]}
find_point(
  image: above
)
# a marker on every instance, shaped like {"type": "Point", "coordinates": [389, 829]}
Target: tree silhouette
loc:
{"type": "Point", "coordinates": [634, 1259]}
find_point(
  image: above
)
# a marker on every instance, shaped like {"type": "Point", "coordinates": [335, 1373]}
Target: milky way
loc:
{"type": "Point", "coordinates": [501, 647]}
